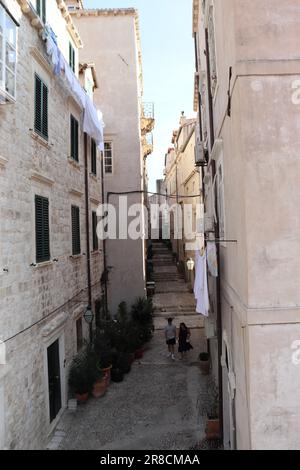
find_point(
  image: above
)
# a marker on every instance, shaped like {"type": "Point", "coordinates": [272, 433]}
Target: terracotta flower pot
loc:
{"type": "Point", "coordinates": [212, 429]}
{"type": "Point", "coordinates": [82, 397]}
{"type": "Point", "coordinates": [106, 374]}
{"type": "Point", "coordinates": [99, 388]}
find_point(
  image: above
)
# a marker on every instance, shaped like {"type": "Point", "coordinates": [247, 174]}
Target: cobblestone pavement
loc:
{"type": "Point", "coordinates": [155, 407]}
{"type": "Point", "coordinates": [160, 405]}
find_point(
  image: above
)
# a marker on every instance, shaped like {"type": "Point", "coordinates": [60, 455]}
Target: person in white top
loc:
{"type": "Point", "coordinates": [170, 335]}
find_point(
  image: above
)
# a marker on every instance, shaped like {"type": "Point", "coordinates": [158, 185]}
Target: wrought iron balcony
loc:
{"type": "Point", "coordinates": [147, 118]}
{"type": "Point", "coordinates": [147, 143]}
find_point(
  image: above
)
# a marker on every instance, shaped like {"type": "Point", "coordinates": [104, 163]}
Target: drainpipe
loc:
{"type": "Point", "coordinates": [104, 240]}
{"type": "Point", "coordinates": [87, 225]}
{"type": "Point", "coordinates": [217, 236]}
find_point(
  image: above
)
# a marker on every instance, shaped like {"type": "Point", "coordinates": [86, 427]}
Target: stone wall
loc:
{"type": "Point", "coordinates": [39, 295]}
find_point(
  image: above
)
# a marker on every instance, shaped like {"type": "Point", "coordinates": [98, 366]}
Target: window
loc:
{"type": "Point", "coordinates": [108, 164]}
{"type": "Point", "coordinates": [41, 108]}
{"type": "Point", "coordinates": [8, 54]}
{"type": "Point", "coordinates": [79, 335]}
{"type": "Point", "coordinates": [42, 240]}
{"type": "Point", "coordinates": [93, 157]}
{"type": "Point", "coordinates": [74, 139]}
{"type": "Point", "coordinates": [41, 9]}
{"type": "Point", "coordinates": [94, 228]}
{"type": "Point", "coordinates": [72, 57]}
{"type": "Point", "coordinates": [76, 249]}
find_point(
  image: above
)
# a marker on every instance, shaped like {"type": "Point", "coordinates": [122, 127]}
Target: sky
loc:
{"type": "Point", "coordinates": [168, 67]}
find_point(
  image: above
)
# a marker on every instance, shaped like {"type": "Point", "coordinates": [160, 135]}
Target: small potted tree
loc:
{"type": "Point", "coordinates": [212, 428]}
{"type": "Point", "coordinates": [82, 377]}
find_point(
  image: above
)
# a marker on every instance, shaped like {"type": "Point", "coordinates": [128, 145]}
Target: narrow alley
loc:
{"type": "Point", "coordinates": [160, 404]}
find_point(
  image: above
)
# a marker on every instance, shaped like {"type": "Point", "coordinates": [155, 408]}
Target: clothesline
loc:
{"type": "Point", "coordinates": [93, 123]}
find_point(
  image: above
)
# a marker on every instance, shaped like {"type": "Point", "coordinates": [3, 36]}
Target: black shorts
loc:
{"type": "Point", "coordinates": [171, 342]}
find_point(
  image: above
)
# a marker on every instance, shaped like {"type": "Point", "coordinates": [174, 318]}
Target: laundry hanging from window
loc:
{"type": "Point", "coordinates": [200, 286]}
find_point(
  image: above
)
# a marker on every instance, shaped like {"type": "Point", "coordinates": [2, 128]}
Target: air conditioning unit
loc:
{"type": "Point", "coordinates": [209, 223]}
{"type": "Point", "coordinates": [200, 153]}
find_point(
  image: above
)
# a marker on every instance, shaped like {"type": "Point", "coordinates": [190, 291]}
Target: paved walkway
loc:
{"type": "Point", "coordinates": [158, 405]}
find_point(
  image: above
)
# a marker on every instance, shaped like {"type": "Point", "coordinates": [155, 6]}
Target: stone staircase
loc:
{"type": "Point", "coordinates": [172, 296]}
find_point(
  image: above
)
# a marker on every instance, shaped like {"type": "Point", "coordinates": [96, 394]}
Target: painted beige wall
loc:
{"type": "Point", "coordinates": [260, 274]}
{"type": "Point", "coordinates": [115, 54]}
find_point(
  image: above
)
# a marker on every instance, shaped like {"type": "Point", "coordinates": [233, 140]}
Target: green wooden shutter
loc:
{"type": "Point", "coordinates": [41, 9]}
{"type": "Point", "coordinates": [45, 112]}
{"type": "Point", "coordinates": [76, 249]}
{"type": "Point", "coordinates": [72, 57]}
{"type": "Point", "coordinates": [42, 234]}
{"type": "Point", "coordinates": [94, 225]}
{"type": "Point", "coordinates": [93, 157]}
{"type": "Point", "coordinates": [74, 139]}
{"type": "Point", "coordinates": [41, 108]}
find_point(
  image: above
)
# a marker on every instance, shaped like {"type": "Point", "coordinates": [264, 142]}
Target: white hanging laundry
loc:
{"type": "Point", "coordinates": [212, 260]}
{"type": "Point", "coordinates": [200, 286]}
{"type": "Point", "coordinates": [93, 123]}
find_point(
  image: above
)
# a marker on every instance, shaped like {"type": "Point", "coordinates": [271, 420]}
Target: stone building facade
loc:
{"type": "Point", "coordinates": [182, 183]}
{"type": "Point", "coordinates": [247, 96]}
{"type": "Point", "coordinates": [127, 134]}
{"type": "Point", "coordinates": [43, 262]}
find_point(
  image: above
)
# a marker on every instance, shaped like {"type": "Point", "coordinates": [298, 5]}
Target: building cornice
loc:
{"type": "Point", "coordinates": [36, 22]}
{"type": "Point", "coordinates": [116, 12]}
{"type": "Point", "coordinates": [196, 12]}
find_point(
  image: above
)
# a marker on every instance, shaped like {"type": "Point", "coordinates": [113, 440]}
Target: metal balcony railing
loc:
{"type": "Point", "coordinates": [148, 110]}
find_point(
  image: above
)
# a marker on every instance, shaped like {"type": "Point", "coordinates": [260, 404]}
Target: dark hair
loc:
{"type": "Point", "coordinates": [170, 320]}
{"type": "Point", "coordinates": [184, 326]}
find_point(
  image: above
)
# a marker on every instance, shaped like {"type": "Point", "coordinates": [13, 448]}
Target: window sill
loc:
{"type": "Point", "coordinates": [44, 264]}
{"type": "Point", "coordinates": [40, 140]}
{"type": "Point", "coordinates": [96, 252]}
{"type": "Point", "coordinates": [94, 177]}
{"type": "Point", "coordinates": [74, 163]}
{"type": "Point", "coordinates": [3, 162]}
{"type": "Point", "coordinates": [75, 257]}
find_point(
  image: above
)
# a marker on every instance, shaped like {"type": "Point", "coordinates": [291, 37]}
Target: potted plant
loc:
{"type": "Point", "coordinates": [100, 386]}
{"type": "Point", "coordinates": [81, 377]}
{"type": "Point", "coordinates": [102, 349]}
{"type": "Point", "coordinates": [204, 363]}
{"type": "Point", "coordinates": [117, 375]}
{"type": "Point", "coordinates": [123, 362]}
{"type": "Point", "coordinates": [212, 428]}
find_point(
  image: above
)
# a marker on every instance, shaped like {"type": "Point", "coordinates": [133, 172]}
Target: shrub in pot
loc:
{"type": "Point", "coordinates": [124, 362]}
{"type": "Point", "coordinates": [141, 311]}
{"type": "Point", "coordinates": [117, 375]}
{"type": "Point", "coordinates": [82, 376]}
{"type": "Point", "coordinates": [101, 347]}
{"type": "Point", "coordinates": [212, 428]}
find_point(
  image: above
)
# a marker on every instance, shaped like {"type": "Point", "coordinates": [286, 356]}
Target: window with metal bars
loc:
{"type": "Point", "coordinates": [42, 234]}
{"type": "Point", "coordinates": [94, 228]}
{"type": "Point", "coordinates": [75, 215]}
{"type": "Point", "coordinates": [93, 157]}
{"type": "Point", "coordinates": [74, 138]}
{"type": "Point", "coordinates": [41, 9]}
{"type": "Point", "coordinates": [41, 108]}
{"type": "Point", "coordinates": [108, 157]}
{"type": "Point", "coordinates": [72, 57]}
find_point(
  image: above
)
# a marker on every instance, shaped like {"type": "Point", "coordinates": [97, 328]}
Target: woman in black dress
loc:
{"type": "Point", "coordinates": [184, 344]}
